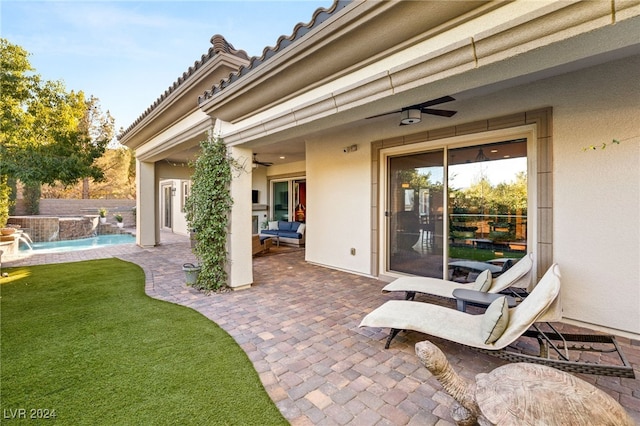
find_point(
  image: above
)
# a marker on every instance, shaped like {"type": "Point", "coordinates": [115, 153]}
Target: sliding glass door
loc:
{"type": "Point", "coordinates": [415, 214]}
{"type": "Point", "coordinates": [487, 208]}
{"type": "Point", "coordinates": [289, 200]}
{"type": "Point", "coordinates": [281, 201]}
{"type": "Point", "coordinates": [482, 225]}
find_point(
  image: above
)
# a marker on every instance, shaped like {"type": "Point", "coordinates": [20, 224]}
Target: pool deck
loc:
{"type": "Point", "coordinates": [298, 324]}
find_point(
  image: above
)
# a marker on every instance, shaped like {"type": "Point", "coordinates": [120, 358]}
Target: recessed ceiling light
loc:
{"type": "Point", "coordinates": [282, 157]}
{"type": "Point", "coordinates": [494, 151]}
{"type": "Point", "coordinates": [506, 156]}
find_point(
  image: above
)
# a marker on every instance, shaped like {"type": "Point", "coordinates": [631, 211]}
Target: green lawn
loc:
{"type": "Point", "coordinates": [84, 341]}
{"type": "Point", "coordinates": [481, 255]}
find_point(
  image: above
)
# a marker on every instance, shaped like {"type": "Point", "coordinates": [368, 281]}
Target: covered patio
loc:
{"type": "Point", "coordinates": [299, 325]}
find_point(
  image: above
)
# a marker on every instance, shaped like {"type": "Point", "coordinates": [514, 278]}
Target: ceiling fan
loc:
{"type": "Point", "coordinates": [413, 114]}
{"type": "Point", "coordinates": [261, 163]}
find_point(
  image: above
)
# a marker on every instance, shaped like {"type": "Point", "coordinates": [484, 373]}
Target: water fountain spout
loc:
{"type": "Point", "coordinates": [24, 238]}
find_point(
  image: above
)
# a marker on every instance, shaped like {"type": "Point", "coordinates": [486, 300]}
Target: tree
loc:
{"type": "Point", "coordinates": [47, 134]}
{"type": "Point", "coordinates": [119, 168]}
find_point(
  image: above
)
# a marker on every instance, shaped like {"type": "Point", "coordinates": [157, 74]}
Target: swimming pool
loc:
{"type": "Point", "coordinates": [80, 244]}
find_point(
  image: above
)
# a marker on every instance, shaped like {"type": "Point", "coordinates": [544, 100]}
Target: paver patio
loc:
{"type": "Point", "coordinates": [299, 326]}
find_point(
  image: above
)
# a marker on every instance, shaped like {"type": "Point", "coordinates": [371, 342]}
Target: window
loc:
{"type": "Point", "coordinates": [186, 191]}
{"type": "Point", "coordinates": [289, 200]}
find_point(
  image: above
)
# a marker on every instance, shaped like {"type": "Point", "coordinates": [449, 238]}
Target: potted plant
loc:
{"type": "Point", "coordinates": [118, 218]}
{"type": "Point", "coordinates": [102, 212]}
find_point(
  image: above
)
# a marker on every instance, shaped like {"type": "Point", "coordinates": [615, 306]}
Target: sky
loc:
{"type": "Point", "coordinates": [127, 53]}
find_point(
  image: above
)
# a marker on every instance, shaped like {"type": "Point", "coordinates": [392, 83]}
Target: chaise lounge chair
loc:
{"type": "Point", "coordinates": [499, 327]}
{"type": "Point", "coordinates": [519, 275]}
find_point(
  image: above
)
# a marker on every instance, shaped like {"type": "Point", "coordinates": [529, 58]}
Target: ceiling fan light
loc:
{"type": "Point", "coordinates": [411, 116]}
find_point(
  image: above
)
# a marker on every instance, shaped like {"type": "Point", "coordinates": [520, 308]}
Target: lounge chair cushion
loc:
{"type": "Point", "coordinates": [465, 328]}
{"type": "Point", "coordinates": [495, 320]}
{"type": "Point", "coordinates": [519, 275]}
{"type": "Point", "coordinates": [483, 281]}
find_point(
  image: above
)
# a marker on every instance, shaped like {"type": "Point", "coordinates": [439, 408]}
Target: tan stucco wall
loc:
{"type": "Point", "coordinates": [338, 202]}
{"type": "Point", "coordinates": [595, 196]}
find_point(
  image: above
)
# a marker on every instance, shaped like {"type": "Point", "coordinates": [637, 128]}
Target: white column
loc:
{"type": "Point", "coordinates": [146, 204]}
{"type": "Point", "coordinates": [240, 266]}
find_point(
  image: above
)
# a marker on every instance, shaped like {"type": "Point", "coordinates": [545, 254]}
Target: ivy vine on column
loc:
{"type": "Point", "coordinates": [207, 210]}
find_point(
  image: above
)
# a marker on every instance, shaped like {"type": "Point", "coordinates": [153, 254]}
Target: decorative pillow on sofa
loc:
{"type": "Point", "coordinates": [294, 226]}
{"type": "Point", "coordinates": [283, 225]}
{"type": "Point", "coordinates": [483, 281]}
{"type": "Point", "coordinates": [301, 228]}
{"type": "Point", "coordinates": [273, 226]}
{"type": "Point", "coordinates": [495, 320]}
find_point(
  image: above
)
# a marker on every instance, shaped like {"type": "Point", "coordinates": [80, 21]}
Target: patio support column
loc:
{"type": "Point", "coordinates": [145, 204]}
{"type": "Point", "coordinates": [240, 265]}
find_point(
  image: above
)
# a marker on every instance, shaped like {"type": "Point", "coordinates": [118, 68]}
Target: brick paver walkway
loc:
{"type": "Point", "coordinates": [299, 326]}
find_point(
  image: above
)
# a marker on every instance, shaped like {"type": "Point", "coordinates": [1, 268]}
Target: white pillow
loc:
{"type": "Point", "coordinates": [273, 226]}
{"type": "Point", "coordinates": [495, 320]}
{"type": "Point", "coordinates": [301, 228]}
{"type": "Point", "coordinates": [483, 281]}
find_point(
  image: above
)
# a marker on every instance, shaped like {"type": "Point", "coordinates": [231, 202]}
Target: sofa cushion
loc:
{"type": "Point", "coordinates": [270, 231]}
{"type": "Point", "coordinates": [284, 225]}
{"type": "Point", "coordinates": [289, 234]}
{"type": "Point", "coordinates": [273, 226]}
{"type": "Point", "coordinates": [295, 226]}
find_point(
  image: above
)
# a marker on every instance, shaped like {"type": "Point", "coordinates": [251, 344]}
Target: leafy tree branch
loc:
{"type": "Point", "coordinates": [47, 134]}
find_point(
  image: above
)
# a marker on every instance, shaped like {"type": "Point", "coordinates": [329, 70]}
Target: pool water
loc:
{"type": "Point", "coordinates": [80, 244]}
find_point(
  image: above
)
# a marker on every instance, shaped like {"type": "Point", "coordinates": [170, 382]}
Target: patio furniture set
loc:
{"type": "Point", "coordinates": [529, 391]}
{"type": "Point", "coordinates": [514, 309]}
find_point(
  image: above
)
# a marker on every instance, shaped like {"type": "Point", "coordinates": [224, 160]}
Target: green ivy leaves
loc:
{"type": "Point", "coordinates": [208, 207]}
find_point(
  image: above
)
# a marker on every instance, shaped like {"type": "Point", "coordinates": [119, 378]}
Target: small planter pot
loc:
{"type": "Point", "coordinates": [120, 224]}
{"type": "Point", "coordinates": [191, 273]}
{"type": "Point", "coordinates": [7, 231]}
{"type": "Point", "coordinates": [103, 220]}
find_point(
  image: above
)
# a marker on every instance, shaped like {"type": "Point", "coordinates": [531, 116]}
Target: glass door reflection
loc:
{"type": "Point", "coordinates": [415, 214]}
{"type": "Point", "coordinates": [487, 198]}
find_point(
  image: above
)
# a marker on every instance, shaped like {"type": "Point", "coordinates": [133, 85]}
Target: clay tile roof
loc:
{"type": "Point", "coordinates": [299, 31]}
{"type": "Point", "coordinates": [218, 45]}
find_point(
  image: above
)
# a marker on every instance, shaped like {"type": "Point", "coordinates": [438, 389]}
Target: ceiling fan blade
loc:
{"type": "Point", "coordinates": [423, 108]}
{"type": "Point", "coordinates": [382, 115]}
{"type": "Point", "coordinates": [261, 163]}
{"type": "Point", "coordinates": [440, 112]}
{"type": "Point", "coordinates": [434, 102]}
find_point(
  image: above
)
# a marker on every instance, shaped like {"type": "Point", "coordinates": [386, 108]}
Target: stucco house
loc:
{"type": "Point", "coordinates": [386, 122]}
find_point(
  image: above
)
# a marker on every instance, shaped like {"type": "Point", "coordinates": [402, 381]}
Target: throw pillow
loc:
{"type": "Point", "coordinates": [273, 226]}
{"type": "Point", "coordinates": [495, 320]}
{"type": "Point", "coordinates": [301, 228]}
{"type": "Point", "coordinates": [284, 225]}
{"type": "Point", "coordinates": [483, 281]}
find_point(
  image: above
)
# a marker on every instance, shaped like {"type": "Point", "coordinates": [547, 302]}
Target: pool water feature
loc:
{"type": "Point", "coordinates": [79, 244]}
